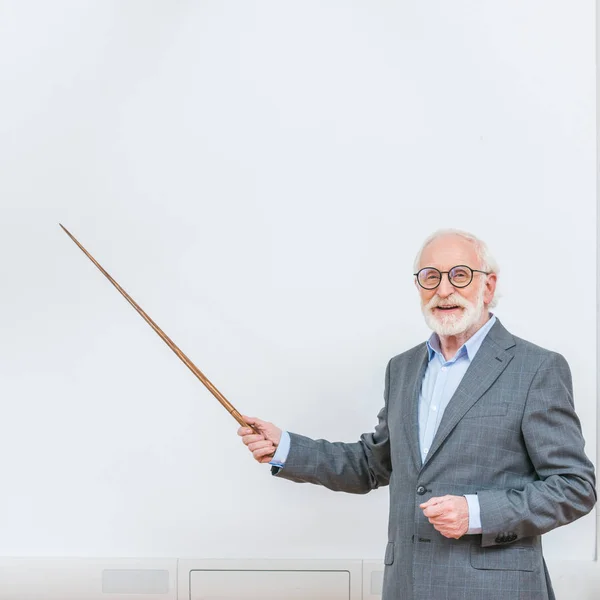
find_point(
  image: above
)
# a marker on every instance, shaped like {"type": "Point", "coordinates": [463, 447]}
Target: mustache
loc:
{"type": "Point", "coordinates": [452, 300]}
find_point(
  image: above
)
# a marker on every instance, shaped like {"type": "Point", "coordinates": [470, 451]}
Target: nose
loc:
{"type": "Point", "coordinates": [445, 288]}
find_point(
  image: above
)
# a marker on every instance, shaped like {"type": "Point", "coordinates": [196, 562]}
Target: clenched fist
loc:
{"type": "Point", "coordinates": [262, 446]}
{"type": "Point", "coordinates": [448, 514]}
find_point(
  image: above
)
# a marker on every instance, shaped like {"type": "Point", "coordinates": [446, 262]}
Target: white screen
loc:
{"type": "Point", "coordinates": [259, 177]}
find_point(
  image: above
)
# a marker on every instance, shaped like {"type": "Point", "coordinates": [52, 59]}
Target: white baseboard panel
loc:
{"type": "Point", "coordinates": [88, 579]}
{"type": "Point", "coordinates": [372, 579]}
{"type": "Point", "coordinates": [216, 579]}
{"type": "Point", "coordinates": [173, 579]}
{"type": "Point", "coordinates": [270, 579]}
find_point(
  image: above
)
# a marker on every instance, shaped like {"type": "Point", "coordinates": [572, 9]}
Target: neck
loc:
{"type": "Point", "coordinates": [450, 344]}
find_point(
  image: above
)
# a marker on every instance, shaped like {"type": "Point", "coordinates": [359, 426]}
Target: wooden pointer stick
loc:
{"type": "Point", "coordinates": [191, 366]}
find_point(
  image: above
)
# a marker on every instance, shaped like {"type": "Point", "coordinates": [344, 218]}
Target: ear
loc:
{"type": "Point", "coordinates": [490, 288]}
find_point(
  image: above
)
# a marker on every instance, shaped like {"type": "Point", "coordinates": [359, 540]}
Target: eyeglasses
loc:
{"type": "Point", "coordinates": [460, 276]}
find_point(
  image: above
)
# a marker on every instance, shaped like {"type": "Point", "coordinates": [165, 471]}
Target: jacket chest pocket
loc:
{"type": "Point", "coordinates": [489, 409]}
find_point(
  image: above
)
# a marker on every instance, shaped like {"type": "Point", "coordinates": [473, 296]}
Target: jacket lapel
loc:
{"type": "Point", "coordinates": [489, 362]}
{"type": "Point", "coordinates": [410, 415]}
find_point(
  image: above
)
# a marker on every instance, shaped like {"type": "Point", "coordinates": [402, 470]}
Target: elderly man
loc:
{"type": "Point", "coordinates": [478, 440]}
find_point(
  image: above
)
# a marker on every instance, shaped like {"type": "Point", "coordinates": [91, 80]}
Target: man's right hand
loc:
{"type": "Point", "coordinates": [262, 446]}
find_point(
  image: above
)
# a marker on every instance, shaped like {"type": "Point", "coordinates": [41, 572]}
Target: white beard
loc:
{"type": "Point", "coordinates": [453, 324]}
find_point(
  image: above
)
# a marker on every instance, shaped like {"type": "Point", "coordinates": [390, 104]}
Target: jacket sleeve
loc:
{"type": "Point", "coordinates": [565, 488]}
{"type": "Point", "coordinates": [355, 468]}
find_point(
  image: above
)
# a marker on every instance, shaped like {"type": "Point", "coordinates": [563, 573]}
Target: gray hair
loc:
{"type": "Point", "coordinates": [488, 262]}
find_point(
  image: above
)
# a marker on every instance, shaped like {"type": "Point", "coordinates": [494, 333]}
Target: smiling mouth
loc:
{"type": "Point", "coordinates": [447, 307]}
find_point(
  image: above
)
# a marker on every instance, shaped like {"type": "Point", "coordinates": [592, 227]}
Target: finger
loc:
{"type": "Point", "coordinates": [249, 431]}
{"type": "Point", "coordinates": [254, 421]}
{"type": "Point", "coordinates": [261, 444]}
{"type": "Point", "coordinates": [450, 533]}
{"type": "Point", "coordinates": [262, 452]}
{"type": "Point", "coordinates": [433, 501]}
{"type": "Point", "coordinates": [249, 439]}
{"type": "Point", "coordinates": [434, 511]}
{"type": "Point", "coordinates": [441, 519]}
{"type": "Point", "coordinates": [438, 528]}
{"type": "Point", "coordinates": [444, 531]}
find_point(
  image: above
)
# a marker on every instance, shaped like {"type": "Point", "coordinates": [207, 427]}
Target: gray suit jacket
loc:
{"type": "Point", "coordinates": [509, 434]}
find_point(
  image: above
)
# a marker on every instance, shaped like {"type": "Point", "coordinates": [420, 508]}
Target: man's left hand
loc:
{"type": "Point", "coordinates": [448, 514]}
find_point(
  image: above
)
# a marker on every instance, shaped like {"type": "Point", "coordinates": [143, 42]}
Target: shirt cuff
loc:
{"type": "Point", "coordinates": [474, 514]}
{"type": "Point", "coordinates": [283, 449]}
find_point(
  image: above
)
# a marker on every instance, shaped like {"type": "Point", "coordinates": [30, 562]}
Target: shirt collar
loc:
{"type": "Point", "coordinates": [469, 348]}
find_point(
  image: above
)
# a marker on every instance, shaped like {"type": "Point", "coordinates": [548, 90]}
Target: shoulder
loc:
{"type": "Point", "coordinates": [408, 355]}
{"type": "Point", "coordinates": [527, 349]}
{"type": "Point", "coordinates": [407, 361]}
{"type": "Point", "coordinates": [521, 349]}
{"type": "Point", "coordinates": [534, 361]}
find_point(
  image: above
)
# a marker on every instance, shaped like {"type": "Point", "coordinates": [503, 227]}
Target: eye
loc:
{"type": "Point", "coordinates": [429, 275]}
{"type": "Point", "coordinates": [460, 274]}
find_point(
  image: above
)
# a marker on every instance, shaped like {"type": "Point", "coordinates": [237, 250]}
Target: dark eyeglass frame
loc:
{"type": "Point", "coordinates": [472, 271]}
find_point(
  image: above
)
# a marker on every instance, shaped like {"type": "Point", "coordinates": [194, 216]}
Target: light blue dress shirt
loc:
{"type": "Point", "coordinates": [440, 381]}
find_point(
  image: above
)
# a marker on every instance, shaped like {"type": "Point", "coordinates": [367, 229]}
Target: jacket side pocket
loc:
{"type": "Point", "coordinates": [389, 554]}
{"type": "Point", "coordinates": [497, 558]}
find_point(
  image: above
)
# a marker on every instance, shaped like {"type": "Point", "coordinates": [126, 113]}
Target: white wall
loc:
{"type": "Point", "coordinates": [259, 175]}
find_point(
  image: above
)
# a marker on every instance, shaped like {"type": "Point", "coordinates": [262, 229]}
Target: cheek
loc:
{"type": "Point", "coordinates": [470, 297]}
{"type": "Point", "coordinates": [426, 297]}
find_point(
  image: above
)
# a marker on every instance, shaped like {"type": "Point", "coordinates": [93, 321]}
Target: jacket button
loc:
{"type": "Point", "coordinates": [421, 490]}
